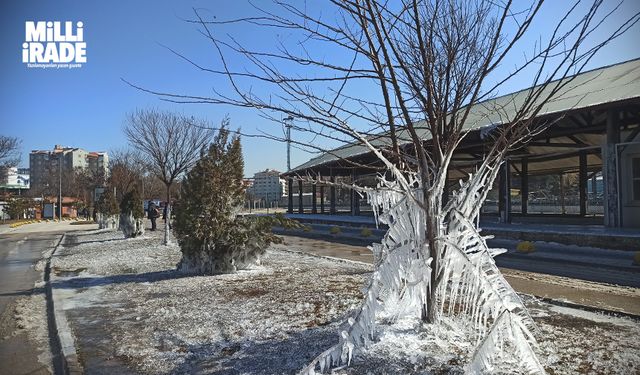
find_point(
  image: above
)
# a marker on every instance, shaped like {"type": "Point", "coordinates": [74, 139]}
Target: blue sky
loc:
{"type": "Point", "coordinates": [86, 107]}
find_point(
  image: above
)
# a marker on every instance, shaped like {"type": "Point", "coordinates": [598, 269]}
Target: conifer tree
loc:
{"type": "Point", "coordinates": [132, 214]}
{"type": "Point", "coordinates": [212, 236]}
{"type": "Point", "coordinates": [107, 210]}
{"type": "Point", "coordinates": [17, 206]}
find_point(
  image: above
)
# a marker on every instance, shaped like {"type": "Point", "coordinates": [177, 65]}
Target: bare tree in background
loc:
{"type": "Point", "coordinates": [432, 63]}
{"type": "Point", "coordinates": [129, 168]}
{"type": "Point", "coordinates": [9, 151]}
{"type": "Point", "coordinates": [126, 169]}
{"type": "Point", "coordinates": [82, 182]}
{"type": "Point", "coordinates": [171, 144]}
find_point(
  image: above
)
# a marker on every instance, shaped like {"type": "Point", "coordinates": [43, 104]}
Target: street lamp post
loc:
{"type": "Point", "coordinates": [287, 124]}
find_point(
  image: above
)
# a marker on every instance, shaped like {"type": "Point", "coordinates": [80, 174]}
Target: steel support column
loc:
{"type": "Point", "coordinates": [300, 203]}
{"type": "Point", "coordinates": [524, 185]}
{"type": "Point", "coordinates": [290, 195]}
{"type": "Point", "coordinates": [355, 197]}
{"type": "Point", "coordinates": [504, 196]}
{"type": "Point", "coordinates": [332, 193]}
{"type": "Point", "coordinates": [610, 170]}
{"type": "Point", "coordinates": [582, 183]}
{"type": "Point", "coordinates": [314, 207]}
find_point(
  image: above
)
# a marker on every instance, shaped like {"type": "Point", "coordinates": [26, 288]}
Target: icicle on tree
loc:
{"type": "Point", "coordinates": [408, 80]}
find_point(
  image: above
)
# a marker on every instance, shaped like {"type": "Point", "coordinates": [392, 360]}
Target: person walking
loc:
{"type": "Point", "coordinates": [153, 215]}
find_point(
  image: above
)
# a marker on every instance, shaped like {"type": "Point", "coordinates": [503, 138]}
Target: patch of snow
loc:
{"type": "Point", "coordinates": [594, 316]}
{"type": "Point", "coordinates": [109, 253]}
{"type": "Point", "coordinates": [31, 317]}
{"type": "Point", "coordinates": [274, 318]}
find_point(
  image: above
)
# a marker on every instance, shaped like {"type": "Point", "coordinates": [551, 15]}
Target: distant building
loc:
{"type": "Point", "coordinates": [98, 161]}
{"type": "Point", "coordinates": [268, 185]}
{"type": "Point", "coordinates": [13, 177]}
{"type": "Point", "coordinates": [247, 183]}
{"type": "Point", "coordinates": [44, 163]}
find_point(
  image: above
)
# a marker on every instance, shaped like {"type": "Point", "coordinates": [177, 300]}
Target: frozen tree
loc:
{"type": "Point", "coordinates": [408, 80]}
{"type": "Point", "coordinates": [170, 143]}
{"type": "Point", "coordinates": [213, 238]}
{"type": "Point", "coordinates": [107, 210]}
{"type": "Point", "coordinates": [132, 214]}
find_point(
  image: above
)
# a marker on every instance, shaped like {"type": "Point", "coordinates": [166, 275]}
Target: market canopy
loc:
{"type": "Point", "coordinates": [600, 88]}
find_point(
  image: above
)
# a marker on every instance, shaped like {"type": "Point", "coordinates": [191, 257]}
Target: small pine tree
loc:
{"type": "Point", "coordinates": [107, 204]}
{"type": "Point", "coordinates": [107, 210]}
{"type": "Point", "coordinates": [211, 235]}
{"type": "Point", "coordinates": [16, 207]}
{"type": "Point", "coordinates": [132, 214]}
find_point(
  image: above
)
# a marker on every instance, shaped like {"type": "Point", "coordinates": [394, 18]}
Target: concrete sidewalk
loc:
{"type": "Point", "coordinates": [558, 288]}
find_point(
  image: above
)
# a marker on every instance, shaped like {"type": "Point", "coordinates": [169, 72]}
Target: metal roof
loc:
{"type": "Point", "coordinates": [596, 87]}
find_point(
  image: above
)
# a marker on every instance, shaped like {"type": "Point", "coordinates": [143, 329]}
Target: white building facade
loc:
{"type": "Point", "coordinates": [268, 186]}
{"type": "Point", "coordinates": [13, 177]}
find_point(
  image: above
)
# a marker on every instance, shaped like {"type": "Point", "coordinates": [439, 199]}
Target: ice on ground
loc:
{"type": "Point", "coordinates": [31, 317]}
{"type": "Point", "coordinates": [109, 253]}
{"type": "Point", "coordinates": [275, 318]}
{"type": "Point", "coordinates": [570, 341]}
{"type": "Point", "coordinates": [42, 263]}
{"type": "Point", "coordinates": [581, 342]}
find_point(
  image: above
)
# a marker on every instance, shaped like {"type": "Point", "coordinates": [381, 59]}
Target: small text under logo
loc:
{"type": "Point", "coordinates": [54, 44]}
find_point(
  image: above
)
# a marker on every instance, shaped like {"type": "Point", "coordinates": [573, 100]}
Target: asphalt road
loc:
{"type": "Point", "coordinates": [19, 252]}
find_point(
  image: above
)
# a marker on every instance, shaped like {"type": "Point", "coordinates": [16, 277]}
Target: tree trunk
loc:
{"type": "Point", "coordinates": [167, 236]}
{"type": "Point", "coordinates": [433, 200]}
{"type": "Point", "coordinates": [433, 232]}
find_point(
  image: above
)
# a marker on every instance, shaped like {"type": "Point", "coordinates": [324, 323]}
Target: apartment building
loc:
{"type": "Point", "coordinates": [268, 185]}
{"type": "Point", "coordinates": [44, 163]}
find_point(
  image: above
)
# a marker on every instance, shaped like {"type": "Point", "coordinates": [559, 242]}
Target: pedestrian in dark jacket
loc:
{"type": "Point", "coordinates": [153, 215]}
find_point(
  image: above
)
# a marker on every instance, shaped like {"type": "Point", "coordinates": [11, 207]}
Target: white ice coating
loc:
{"type": "Point", "coordinates": [107, 221]}
{"type": "Point", "coordinates": [131, 226]}
{"type": "Point", "coordinates": [471, 289]}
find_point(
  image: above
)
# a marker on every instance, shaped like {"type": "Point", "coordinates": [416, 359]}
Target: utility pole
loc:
{"type": "Point", "coordinates": [287, 124]}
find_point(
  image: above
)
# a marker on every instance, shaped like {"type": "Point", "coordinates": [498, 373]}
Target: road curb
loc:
{"type": "Point", "coordinates": [63, 343]}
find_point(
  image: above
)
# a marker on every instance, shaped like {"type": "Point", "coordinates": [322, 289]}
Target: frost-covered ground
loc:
{"type": "Point", "coordinates": [31, 317]}
{"type": "Point", "coordinates": [130, 311]}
